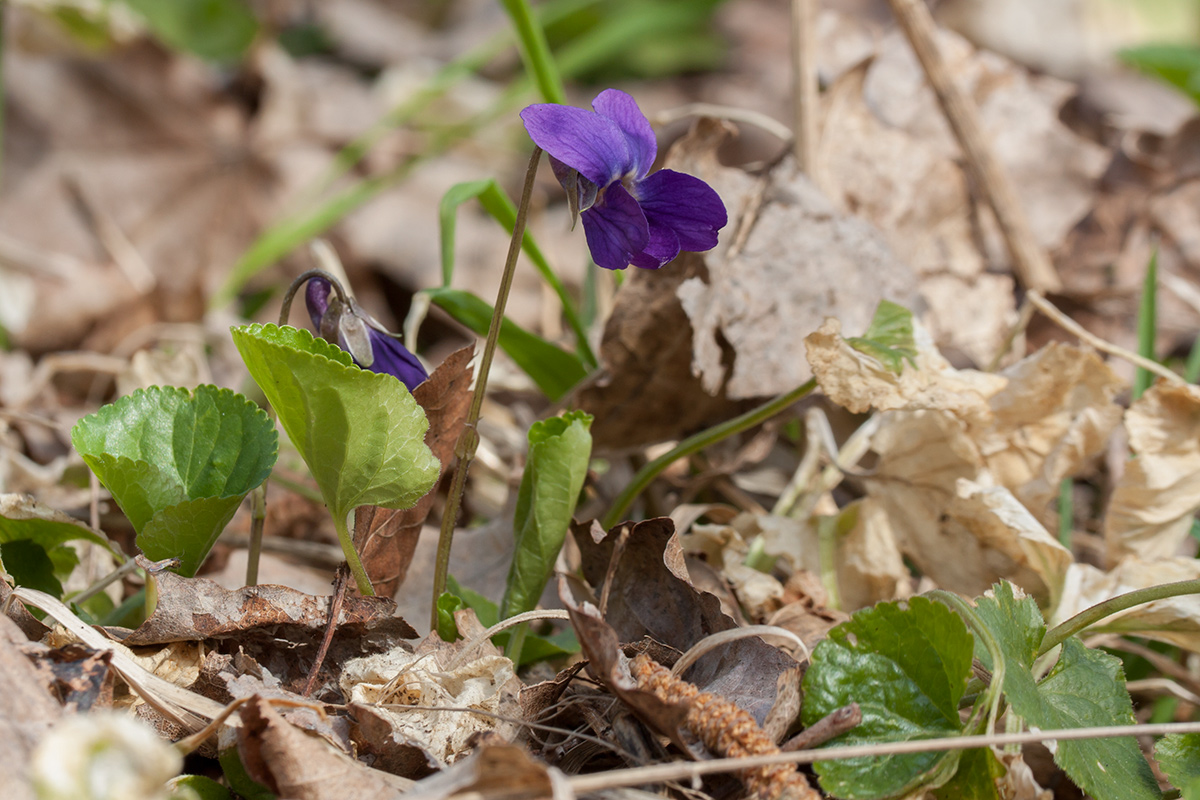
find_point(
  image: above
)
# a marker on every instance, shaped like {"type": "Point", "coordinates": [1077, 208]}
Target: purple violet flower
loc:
{"type": "Point", "coordinates": [370, 344]}
{"type": "Point", "coordinates": [602, 158]}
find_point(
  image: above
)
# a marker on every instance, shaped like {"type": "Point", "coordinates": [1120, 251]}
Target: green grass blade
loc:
{"type": "Point", "coordinates": [535, 51]}
{"type": "Point", "coordinates": [553, 369]}
{"type": "Point", "coordinates": [504, 211]}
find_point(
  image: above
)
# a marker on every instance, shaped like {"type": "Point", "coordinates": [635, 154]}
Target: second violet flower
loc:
{"type": "Point", "coordinates": [602, 158]}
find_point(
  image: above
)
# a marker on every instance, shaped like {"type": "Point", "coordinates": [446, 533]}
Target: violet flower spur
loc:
{"type": "Point", "coordinates": [602, 159]}
{"type": "Point", "coordinates": [356, 332]}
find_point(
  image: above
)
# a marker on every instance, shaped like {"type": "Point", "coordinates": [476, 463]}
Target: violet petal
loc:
{"type": "Point", "coordinates": [393, 358]}
{"type": "Point", "coordinates": [623, 110]}
{"type": "Point", "coordinates": [686, 205]}
{"type": "Point", "coordinates": [616, 228]}
{"type": "Point", "coordinates": [662, 246]}
{"type": "Point", "coordinates": [316, 298]}
{"type": "Point", "coordinates": [581, 139]}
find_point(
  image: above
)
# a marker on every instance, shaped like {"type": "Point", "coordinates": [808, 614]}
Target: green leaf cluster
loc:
{"type": "Point", "coordinates": [889, 338]}
{"type": "Point", "coordinates": [178, 463]}
{"type": "Point", "coordinates": [907, 666]}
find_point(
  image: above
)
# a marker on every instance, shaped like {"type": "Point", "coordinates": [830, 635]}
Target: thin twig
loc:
{"type": "Point", "coordinates": [805, 89]}
{"type": "Point", "coordinates": [258, 518]}
{"type": "Point", "coordinates": [1032, 266]}
{"type": "Point", "coordinates": [830, 726]}
{"type": "Point", "coordinates": [634, 776]}
{"type": "Point", "coordinates": [729, 113]}
{"type": "Point", "coordinates": [464, 450]}
{"type": "Point", "coordinates": [340, 585]}
{"type": "Point", "coordinates": [1063, 321]}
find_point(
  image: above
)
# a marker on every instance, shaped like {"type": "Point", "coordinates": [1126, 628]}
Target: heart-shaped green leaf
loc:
{"type": "Point", "coordinates": [178, 463]}
{"type": "Point", "coordinates": [361, 433]}
{"type": "Point", "coordinates": [907, 668]}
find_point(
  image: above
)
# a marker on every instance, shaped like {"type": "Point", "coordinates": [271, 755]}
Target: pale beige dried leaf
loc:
{"type": "Point", "coordinates": [1018, 783]}
{"type": "Point", "coordinates": [860, 382]}
{"type": "Point", "coordinates": [1175, 620]}
{"type": "Point", "coordinates": [1151, 508]}
{"type": "Point", "coordinates": [998, 521]}
{"type": "Point", "coordinates": [724, 549]}
{"type": "Point", "coordinates": [802, 261]}
{"type": "Point", "coordinates": [1055, 415]}
{"type": "Point", "coordinates": [387, 682]}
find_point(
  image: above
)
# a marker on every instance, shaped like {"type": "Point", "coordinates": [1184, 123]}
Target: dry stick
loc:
{"type": "Point", "coordinates": [1031, 264]}
{"type": "Point", "coordinates": [835, 723]}
{"type": "Point", "coordinates": [340, 584]}
{"type": "Point", "coordinates": [464, 449]}
{"type": "Point", "coordinates": [582, 784]}
{"type": "Point", "coordinates": [805, 88]}
{"type": "Point", "coordinates": [1063, 321]}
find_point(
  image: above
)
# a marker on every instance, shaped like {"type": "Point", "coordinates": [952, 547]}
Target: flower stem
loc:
{"type": "Point", "coordinates": [535, 51]}
{"type": "Point", "coordinates": [1090, 616]}
{"type": "Point", "coordinates": [996, 687]}
{"type": "Point", "coordinates": [697, 442]}
{"type": "Point", "coordinates": [346, 539]}
{"type": "Point", "coordinates": [469, 440]}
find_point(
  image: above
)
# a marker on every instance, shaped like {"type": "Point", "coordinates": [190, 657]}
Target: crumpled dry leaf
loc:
{"type": "Point", "coordinates": [1151, 509]}
{"type": "Point", "coordinates": [887, 153]}
{"type": "Point", "coordinates": [27, 713]}
{"type": "Point", "coordinates": [387, 538]}
{"type": "Point", "coordinates": [859, 382]}
{"type": "Point", "coordinates": [293, 764]}
{"type": "Point", "coordinates": [651, 595]}
{"type": "Point", "coordinates": [797, 265]}
{"type": "Point", "coordinates": [254, 618]}
{"type": "Point", "coordinates": [1038, 421]}
{"type": "Point", "coordinates": [195, 609]}
{"type": "Point", "coordinates": [496, 771]}
{"type": "Point", "coordinates": [1175, 620]}
{"type": "Point", "coordinates": [438, 675]}
{"type": "Point", "coordinates": [999, 521]}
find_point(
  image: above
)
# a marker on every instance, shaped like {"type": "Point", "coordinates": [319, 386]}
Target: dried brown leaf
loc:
{"type": "Point", "coordinates": [293, 764]}
{"type": "Point", "coordinates": [651, 595]}
{"type": "Point", "coordinates": [27, 713]}
{"type": "Point", "coordinates": [387, 538]}
{"type": "Point", "coordinates": [1151, 509]}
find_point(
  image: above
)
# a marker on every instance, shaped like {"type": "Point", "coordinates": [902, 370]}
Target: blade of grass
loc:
{"type": "Point", "coordinates": [1147, 325]}
{"type": "Point", "coordinates": [1066, 511]}
{"type": "Point", "coordinates": [535, 51]}
{"type": "Point", "coordinates": [502, 209]}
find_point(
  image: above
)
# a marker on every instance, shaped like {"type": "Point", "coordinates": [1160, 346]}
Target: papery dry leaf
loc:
{"type": "Point", "coordinates": [378, 689]}
{"type": "Point", "coordinates": [141, 143]}
{"type": "Point", "coordinates": [1052, 418]}
{"type": "Point", "coordinates": [859, 382]}
{"type": "Point", "coordinates": [255, 618]}
{"type": "Point", "coordinates": [494, 772]}
{"type": "Point", "coordinates": [888, 154]}
{"type": "Point", "coordinates": [293, 764]}
{"type": "Point", "coordinates": [1152, 506]}
{"type": "Point", "coordinates": [27, 713]}
{"type": "Point", "coordinates": [1018, 783]}
{"type": "Point", "coordinates": [999, 521]}
{"type": "Point", "coordinates": [607, 663]}
{"type": "Point", "coordinates": [81, 677]}
{"type": "Point", "coordinates": [795, 267]}
{"type": "Point", "coordinates": [1175, 620]}
{"type": "Point", "coordinates": [387, 538]}
{"type": "Point", "coordinates": [651, 595]}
